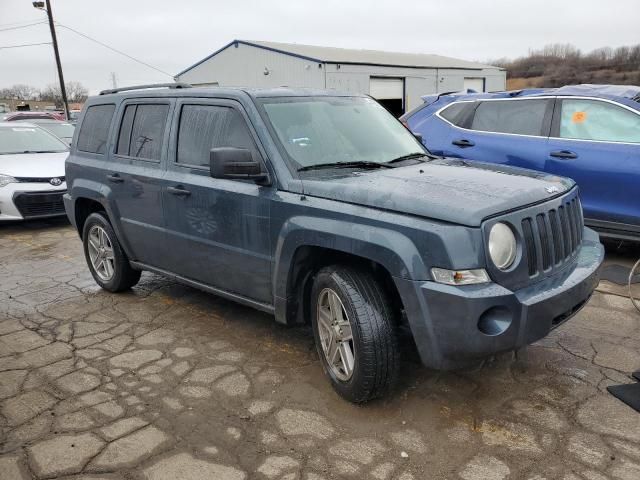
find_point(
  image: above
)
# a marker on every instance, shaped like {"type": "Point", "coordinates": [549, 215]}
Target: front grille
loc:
{"type": "Point", "coordinates": [36, 179]}
{"type": "Point", "coordinates": [39, 204]}
{"type": "Point", "coordinates": [553, 237]}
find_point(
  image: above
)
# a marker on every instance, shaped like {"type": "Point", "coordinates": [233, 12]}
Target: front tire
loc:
{"type": "Point", "coordinates": [107, 261]}
{"type": "Point", "coordinates": [354, 330]}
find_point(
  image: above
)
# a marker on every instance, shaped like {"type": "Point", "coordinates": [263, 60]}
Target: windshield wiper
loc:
{"type": "Point", "coordinates": [43, 151]}
{"type": "Point", "coordinates": [410, 156]}
{"type": "Point", "coordinates": [356, 164]}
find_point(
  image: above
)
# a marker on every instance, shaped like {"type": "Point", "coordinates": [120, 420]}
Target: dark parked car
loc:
{"type": "Point", "coordinates": [26, 116]}
{"type": "Point", "coordinates": [590, 133]}
{"type": "Point", "coordinates": [320, 207]}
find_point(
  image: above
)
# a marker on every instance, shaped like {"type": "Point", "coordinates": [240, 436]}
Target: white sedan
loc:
{"type": "Point", "coordinates": [31, 172]}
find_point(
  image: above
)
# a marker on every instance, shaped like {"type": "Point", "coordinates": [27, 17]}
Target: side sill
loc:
{"type": "Point", "coordinates": [264, 307]}
{"type": "Point", "coordinates": [614, 230]}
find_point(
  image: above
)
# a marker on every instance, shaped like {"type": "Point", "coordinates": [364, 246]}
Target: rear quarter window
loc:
{"type": "Point", "coordinates": [456, 113]}
{"type": "Point", "coordinates": [95, 129]}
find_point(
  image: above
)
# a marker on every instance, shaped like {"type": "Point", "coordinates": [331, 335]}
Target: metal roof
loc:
{"type": "Point", "coordinates": [631, 92]}
{"type": "Point", "coordinates": [349, 56]}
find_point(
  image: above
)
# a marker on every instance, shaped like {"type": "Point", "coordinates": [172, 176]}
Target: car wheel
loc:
{"type": "Point", "coordinates": [107, 261]}
{"type": "Point", "coordinates": [355, 334]}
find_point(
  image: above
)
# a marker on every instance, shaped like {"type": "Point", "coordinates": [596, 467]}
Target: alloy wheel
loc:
{"type": "Point", "coordinates": [335, 334]}
{"type": "Point", "coordinates": [101, 253]}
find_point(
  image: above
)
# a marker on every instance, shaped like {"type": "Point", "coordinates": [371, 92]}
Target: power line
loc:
{"type": "Point", "coordinates": [24, 45]}
{"type": "Point", "coordinates": [114, 49]}
{"type": "Point", "coordinates": [11, 24]}
{"type": "Point", "coordinates": [23, 26]}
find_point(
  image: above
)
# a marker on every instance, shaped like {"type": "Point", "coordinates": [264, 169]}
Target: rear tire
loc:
{"type": "Point", "coordinates": [107, 261]}
{"type": "Point", "coordinates": [358, 345]}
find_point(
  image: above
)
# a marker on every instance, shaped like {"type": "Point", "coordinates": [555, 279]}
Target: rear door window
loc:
{"type": "Point", "coordinates": [597, 120]}
{"type": "Point", "coordinates": [522, 117]}
{"type": "Point", "coordinates": [142, 131]}
{"type": "Point", "coordinates": [95, 129]}
{"type": "Point", "coordinates": [203, 127]}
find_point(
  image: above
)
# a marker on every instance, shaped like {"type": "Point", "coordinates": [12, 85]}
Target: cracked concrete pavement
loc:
{"type": "Point", "coordinates": [167, 383]}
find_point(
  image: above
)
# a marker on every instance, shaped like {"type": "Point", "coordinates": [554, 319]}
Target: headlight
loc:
{"type": "Point", "coordinates": [459, 277]}
{"type": "Point", "coordinates": [6, 180]}
{"type": "Point", "coordinates": [502, 246]}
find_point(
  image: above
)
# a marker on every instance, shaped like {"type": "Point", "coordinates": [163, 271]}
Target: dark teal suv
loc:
{"type": "Point", "coordinates": [321, 208]}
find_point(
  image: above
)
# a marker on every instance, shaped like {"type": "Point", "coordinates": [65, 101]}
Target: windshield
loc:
{"type": "Point", "coordinates": [28, 139]}
{"type": "Point", "coordinates": [322, 130]}
{"type": "Point", "coordinates": [62, 130]}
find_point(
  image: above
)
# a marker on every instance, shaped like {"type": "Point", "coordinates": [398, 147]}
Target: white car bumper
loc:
{"type": "Point", "coordinates": [19, 201]}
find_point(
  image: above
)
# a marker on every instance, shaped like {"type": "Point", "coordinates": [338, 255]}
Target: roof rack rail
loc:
{"type": "Point", "coordinates": [144, 87]}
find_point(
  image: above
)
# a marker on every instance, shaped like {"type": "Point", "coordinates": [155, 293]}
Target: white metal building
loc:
{"type": "Point", "coordinates": [398, 80]}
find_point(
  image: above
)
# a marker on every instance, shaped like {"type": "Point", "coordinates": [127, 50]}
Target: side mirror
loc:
{"type": "Point", "coordinates": [236, 163]}
{"type": "Point", "coordinates": [418, 136]}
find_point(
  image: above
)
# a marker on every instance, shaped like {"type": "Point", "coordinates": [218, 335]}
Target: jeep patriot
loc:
{"type": "Point", "coordinates": [319, 207]}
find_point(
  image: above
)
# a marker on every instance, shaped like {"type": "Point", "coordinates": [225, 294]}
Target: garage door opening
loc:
{"type": "Point", "coordinates": [476, 84]}
{"type": "Point", "coordinates": [389, 92]}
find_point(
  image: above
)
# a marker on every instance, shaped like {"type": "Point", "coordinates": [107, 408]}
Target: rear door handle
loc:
{"type": "Point", "coordinates": [115, 178]}
{"type": "Point", "coordinates": [463, 143]}
{"type": "Point", "coordinates": [564, 154]}
{"type": "Point", "coordinates": [180, 191]}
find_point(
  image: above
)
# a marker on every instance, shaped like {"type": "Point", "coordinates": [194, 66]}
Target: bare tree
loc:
{"type": "Point", "coordinates": [561, 64]}
{"type": "Point", "coordinates": [76, 93]}
{"type": "Point", "coordinates": [19, 92]}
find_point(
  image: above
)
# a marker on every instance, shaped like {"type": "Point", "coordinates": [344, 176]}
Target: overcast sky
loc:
{"type": "Point", "coordinates": [171, 35]}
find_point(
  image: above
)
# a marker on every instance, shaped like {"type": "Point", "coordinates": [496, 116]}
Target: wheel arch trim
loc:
{"type": "Point", "coordinates": [390, 249]}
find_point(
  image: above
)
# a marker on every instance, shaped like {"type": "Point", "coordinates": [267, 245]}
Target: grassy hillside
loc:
{"type": "Point", "coordinates": [557, 65]}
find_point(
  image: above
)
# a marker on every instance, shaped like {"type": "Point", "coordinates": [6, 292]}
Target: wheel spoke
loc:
{"type": "Point", "coordinates": [108, 267]}
{"type": "Point", "coordinates": [332, 352]}
{"type": "Point", "coordinates": [93, 243]}
{"type": "Point", "coordinates": [324, 317]}
{"type": "Point", "coordinates": [108, 253]}
{"type": "Point", "coordinates": [336, 307]}
{"type": "Point", "coordinates": [346, 355]}
{"type": "Point", "coordinates": [328, 341]}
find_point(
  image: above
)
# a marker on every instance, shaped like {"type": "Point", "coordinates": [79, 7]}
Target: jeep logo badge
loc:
{"type": "Point", "coordinates": [552, 189]}
{"type": "Point", "coordinates": [56, 182]}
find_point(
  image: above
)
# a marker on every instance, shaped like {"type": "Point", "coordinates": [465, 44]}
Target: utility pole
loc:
{"type": "Point", "coordinates": [54, 40]}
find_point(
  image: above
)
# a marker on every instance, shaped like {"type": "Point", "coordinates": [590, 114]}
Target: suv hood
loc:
{"type": "Point", "coordinates": [446, 189]}
{"type": "Point", "coordinates": [33, 165]}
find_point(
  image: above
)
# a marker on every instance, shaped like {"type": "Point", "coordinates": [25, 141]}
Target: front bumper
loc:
{"type": "Point", "coordinates": [454, 326]}
{"type": "Point", "coordinates": [25, 200]}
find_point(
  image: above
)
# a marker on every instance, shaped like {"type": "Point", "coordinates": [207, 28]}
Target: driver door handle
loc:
{"type": "Point", "coordinates": [179, 191]}
{"type": "Point", "coordinates": [564, 154]}
{"type": "Point", "coordinates": [463, 143]}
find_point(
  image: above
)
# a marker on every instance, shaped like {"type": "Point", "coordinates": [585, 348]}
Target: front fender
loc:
{"type": "Point", "coordinates": [389, 248]}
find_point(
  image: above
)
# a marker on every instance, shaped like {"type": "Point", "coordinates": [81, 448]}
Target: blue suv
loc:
{"type": "Point", "coordinates": [590, 133]}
